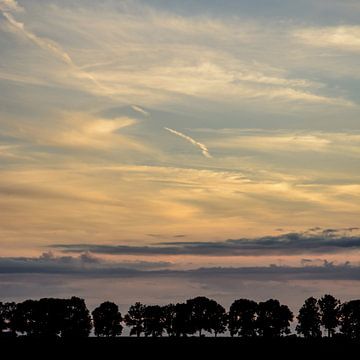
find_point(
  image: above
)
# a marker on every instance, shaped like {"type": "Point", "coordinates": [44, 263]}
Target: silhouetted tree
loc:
{"type": "Point", "coordinates": [153, 321]}
{"type": "Point", "coordinates": [182, 320]}
{"type": "Point", "coordinates": [25, 317]}
{"type": "Point", "coordinates": [350, 319]}
{"type": "Point", "coordinates": [107, 320]}
{"type": "Point", "coordinates": [199, 314]}
{"type": "Point", "coordinates": [242, 318]}
{"type": "Point", "coordinates": [169, 316]}
{"type": "Point", "coordinates": [135, 319]}
{"type": "Point", "coordinates": [49, 316]}
{"type": "Point", "coordinates": [273, 319]}
{"type": "Point", "coordinates": [7, 311]}
{"type": "Point", "coordinates": [218, 318]}
{"type": "Point", "coordinates": [52, 317]}
{"type": "Point", "coordinates": [70, 318]}
{"type": "Point", "coordinates": [3, 322]}
{"type": "Point", "coordinates": [77, 320]}
{"type": "Point", "coordinates": [309, 319]}
{"type": "Point", "coordinates": [330, 312]}
{"type": "Point", "coordinates": [202, 314]}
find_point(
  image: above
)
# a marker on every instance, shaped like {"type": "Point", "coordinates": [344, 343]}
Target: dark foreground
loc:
{"type": "Point", "coordinates": [183, 348]}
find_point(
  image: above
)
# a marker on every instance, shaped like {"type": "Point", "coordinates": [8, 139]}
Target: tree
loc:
{"type": "Point", "coordinates": [309, 319]}
{"type": "Point", "coordinates": [50, 316]}
{"type": "Point", "coordinates": [199, 314]}
{"type": "Point", "coordinates": [203, 312]}
{"type": "Point", "coordinates": [242, 318]}
{"type": "Point", "coordinates": [218, 318]}
{"type": "Point", "coordinates": [3, 323]}
{"type": "Point", "coordinates": [182, 320]}
{"type": "Point", "coordinates": [350, 319]}
{"type": "Point", "coordinates": [169, 316]}
{"type": "Point", "coordinates": [135, 319]}
{"type": "Point", "coordinates": [330, 312]}
{"type": "Point", "coordinates": [40, 318]}
{"type": "Point", "coordinates": [7, 311]}
{"type": "Point", "coordinates": [77, 320]}
{"type": "Point", "coordinates": [153, 321]}
{"type": "Point", "coordinates": [25, 319]}
{"type": "Point", "coordinates": [273, 319]}
{"type": "Point", "coordinates": [107, 320]}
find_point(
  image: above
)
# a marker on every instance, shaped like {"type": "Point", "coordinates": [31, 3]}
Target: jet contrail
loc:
{"type": "Point", "coordinates": [41, 42]}
{"type": "Point", "coordinates": [9, 6]}
{"type": "Point", "coordinates": [202, 147]}
{"type": "Point", "coordinates": [140, 110]}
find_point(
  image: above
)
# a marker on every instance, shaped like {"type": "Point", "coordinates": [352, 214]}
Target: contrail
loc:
{"type": "Point", "coordinates": [8, 6]}
{"type": "Point", "coordinates": [202, 147]}
{"type": "Point", "coordinates": [41, 42]}
{"type": "Point", "coordinates": [140, 110]}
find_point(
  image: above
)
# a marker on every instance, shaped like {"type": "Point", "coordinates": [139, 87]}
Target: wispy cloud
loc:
{"type": "Point", "coordinates": [340, 37]}
{"type": "Point", "coordinates": [83, 201]}
{"type": "Point", "coordinates": [188, 66]}
{"type": "Point", "coordinates": [10, 5]}
{"type": "Point", "coordinates": [207, 71]}
{"type": "Point", "coordinates": [43, 43]}
{"type": "Point", "coordinates": [78, 130]}
{"type": "Point", "coordinates": [13, 152]}
{"type": "Point", "coordinates": [200, 145]}
{"type": "Point", "coordinates": [219, 74]}
{"type": "Point", "coordinates": [286, 141]}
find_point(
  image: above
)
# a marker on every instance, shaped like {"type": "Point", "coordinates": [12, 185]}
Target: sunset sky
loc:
{"type": "Point", "coordinates": [157, 150]}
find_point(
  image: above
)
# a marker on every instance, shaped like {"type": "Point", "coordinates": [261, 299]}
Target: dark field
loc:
{"type": "Point", "coordinates": [191, 347]}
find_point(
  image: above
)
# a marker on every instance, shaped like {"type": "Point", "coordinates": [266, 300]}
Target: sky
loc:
{"type": "Point", "coordinates": [158, 150]}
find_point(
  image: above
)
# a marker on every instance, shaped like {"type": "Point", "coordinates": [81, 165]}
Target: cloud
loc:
{"type": "Point", "coordinates": [43, 43]}
{"type": "Point", "coordinates": [13, 152]}
{"type": "Point", "coordinates": [327, 241]}
{"type": "Point", "coordinates": [340, 37]}
{"type": "Point", "coordinates": [78, 130]}
{"type": "Point", "coordinates": [88, 266]}
{"type": "Point", "coordinates": [83, 201]}
{"type": "Point", "coordinates": [45, 193]}
{"type": "Point", "coordinates": [196, 58]}
{"type": "Point", "coordinates": [327, 271]}
{"type": "Point", "coordinates": [9, 6]}
{"type": "Point", "coordinates": [284, 142]}
{"type": "Point", "coordinates": [84, 176]}
{"type": "Point", "coordinates": [201, 146]}
{"type": "Point", "coordinates": [276, 142]}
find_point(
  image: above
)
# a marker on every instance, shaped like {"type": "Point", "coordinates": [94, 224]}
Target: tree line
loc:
{"type": "Point", "coordinates": [69, 318]}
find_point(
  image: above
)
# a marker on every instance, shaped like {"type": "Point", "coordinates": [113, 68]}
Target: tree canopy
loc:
{"type": "Point", "coordinates": [107, 320]}
{"type": "Point", "coordinates": [199, 316]}
{"type": "Point", "coordinates": [309, 320]}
